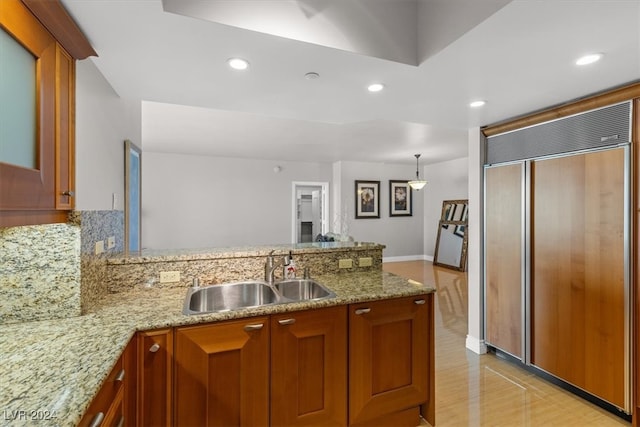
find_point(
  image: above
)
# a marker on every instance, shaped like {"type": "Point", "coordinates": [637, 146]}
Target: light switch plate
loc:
{"type": "Point", "coordinates": [99, 247]}
{"type": "Point", "coordinates": [111, 242]}
{"type": "Point", "coordinates": [169, 276]}
{"type": "Point", "coordinates": [365, 262]}
{"type": "Point", "coordinates": [345, 263]}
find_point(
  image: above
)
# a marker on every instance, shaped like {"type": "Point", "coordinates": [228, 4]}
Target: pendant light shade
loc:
{"type": "Point", "coordinates": [417, 183]}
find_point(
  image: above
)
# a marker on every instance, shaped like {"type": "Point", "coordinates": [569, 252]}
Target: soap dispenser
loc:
{"type": "Point", "coordinates": [290, 268]}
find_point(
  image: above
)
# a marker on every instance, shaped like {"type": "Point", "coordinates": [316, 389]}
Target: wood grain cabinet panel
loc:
{"type": "Point", "coordinates": [222, 374]}
{"type": "Point", "coordinates": [389, 358]}
{"type": "Point", "coordinates": [504, 219]}
{"type": "Point", "coordinates": [636, 263]}
{"type": "Point", "coordinates": [155, 371]}
{"type": "Point", "coordinates": [130, 394]}
{"type": "Point", "coordinates": [65, 130]}
{"type": "Point", "coordinates": [309, 368]}
{"type": "Point", "coordinates": [578, 275]}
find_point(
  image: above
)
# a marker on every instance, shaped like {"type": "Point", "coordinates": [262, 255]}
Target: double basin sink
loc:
{"type": "Point", "coordinates": [253, 293]}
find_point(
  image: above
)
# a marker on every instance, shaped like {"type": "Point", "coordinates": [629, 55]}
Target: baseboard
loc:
{"type": "Point", "coordinates": [476, 345]}
{"type": "Point", "coordinates": [407, 258]}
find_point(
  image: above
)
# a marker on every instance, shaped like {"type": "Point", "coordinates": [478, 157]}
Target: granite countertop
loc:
{"type": "Point", "coordinates": [53, 369]}
{"type": "Point", "coordinates": [159, 255]}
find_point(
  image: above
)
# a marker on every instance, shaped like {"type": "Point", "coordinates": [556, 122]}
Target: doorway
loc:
{"type": "Point", "coordinates": [310, 211]}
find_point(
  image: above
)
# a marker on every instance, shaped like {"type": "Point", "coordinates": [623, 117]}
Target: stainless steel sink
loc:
{"type": "Point", "coordinates": [247, 294]}
{"type": "Point", "coordinates": [229, 296]}
{"type": "Point", "coordinates": [302, 290]}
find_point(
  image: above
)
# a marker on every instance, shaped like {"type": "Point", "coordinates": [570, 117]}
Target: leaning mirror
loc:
{"type": "Point", "coordinates": [451, 245]}
{"type": "Point", "coordinates": [454, 210]}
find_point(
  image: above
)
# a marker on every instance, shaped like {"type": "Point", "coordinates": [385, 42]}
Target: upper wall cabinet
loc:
{"type": "Point", "coordinates": [37, 111]}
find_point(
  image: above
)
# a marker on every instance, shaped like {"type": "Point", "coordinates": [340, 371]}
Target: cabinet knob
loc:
{"type": "Point", "coordinates": [255, 327]}
{"type": "Point", "coordinates": [97, 420]}
{"type": "Point", "coordinates": [120, 376]}
{"type": "Point", "coordinates": [154, 348]}
{"type": "Point", "coordinates": [68, 193]}
{"type": "Point", "coordinates": [287, 321]}
{"type": "Point", "coordinates": [363, 310]}
{"type": "Point", "coordinates": [419, 301]}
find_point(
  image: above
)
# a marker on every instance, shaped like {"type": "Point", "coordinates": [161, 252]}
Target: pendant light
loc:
{"type": "Point", "coordinates": [417, 183]}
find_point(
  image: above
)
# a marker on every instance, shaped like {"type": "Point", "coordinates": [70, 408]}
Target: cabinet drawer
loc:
{"type": "Point", "coordinates": [107, 399]}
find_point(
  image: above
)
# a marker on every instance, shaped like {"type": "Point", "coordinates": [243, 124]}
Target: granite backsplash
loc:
{"type": "Point", "coordinates": [39, 272]}
{"type": "Point", "coordinates": [52, 271]}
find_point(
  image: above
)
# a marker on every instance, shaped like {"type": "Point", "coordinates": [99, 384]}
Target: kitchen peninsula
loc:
{"type": "Point", "coordinates": [53, 369]}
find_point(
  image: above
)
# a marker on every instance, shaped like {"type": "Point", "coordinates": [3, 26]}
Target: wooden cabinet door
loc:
{"type": "Point", "coordinates": [504, 218]}
{"type": "Point", "coordinates": [389, 357]}
{"type": "Point", "coordinates": [222, 374]}
{"type": "Point", "coordinates": [155, 370]}
{"type": "Point", "coordinates": [309, 368]}
{"type": "Point", "coordinates": [578, 273]}
{"type": "Point", "coordinates": [130, 394]}
{"type": "Point", "coordinates": [33, 194]}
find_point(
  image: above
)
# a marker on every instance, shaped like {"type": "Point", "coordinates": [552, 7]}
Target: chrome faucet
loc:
{"type": "Point", "coordinates": [270, 266]}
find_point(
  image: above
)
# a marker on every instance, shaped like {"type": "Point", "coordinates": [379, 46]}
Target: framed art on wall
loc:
{"type": "Point", "coordinates": [399, 198]}
{"type": "Point", "coordinates": [367, 198]}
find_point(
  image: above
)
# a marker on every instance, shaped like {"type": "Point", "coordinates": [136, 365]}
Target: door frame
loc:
{"type": "Point", "coordinates": [324, 197]}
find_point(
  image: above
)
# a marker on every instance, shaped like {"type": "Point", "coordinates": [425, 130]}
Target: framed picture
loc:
{"type": "Point", "coordinates": [132, 197]}
{"type": "Point", "coordinates": [399, 198]}
{"type": "Point", "coordinates": [367, 199]}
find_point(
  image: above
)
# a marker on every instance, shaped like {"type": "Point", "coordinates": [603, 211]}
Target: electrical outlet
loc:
{"type": "Point", "coordinates": [111, 242]}
{"type": "Point", "coordinates": [345, 263]}
{"type": "Point", "coordinates": [169, 276]}
{"type": "Point", "coordinates": [99, 247]}
{"type": "Point", "coordinates": [365, 262]}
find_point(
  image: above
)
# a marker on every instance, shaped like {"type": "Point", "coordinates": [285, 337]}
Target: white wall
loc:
{"type": "Point", "coordinates": [447, 181]}
{"type": "Point", "coordinates": [401, 235]}
{"type": "Point", "coordinates": [191, 201]}
{"type": "Point", "coordinates": [103, 122]}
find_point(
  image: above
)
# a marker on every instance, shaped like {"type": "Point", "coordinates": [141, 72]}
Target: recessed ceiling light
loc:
{"type": "Point", "coordinates": [312, 76]}
{"type": "Point", "coordinates": [238, 63]}
{"type": "Point", "coordinates": [375, 87]}
{"type": "Point", "coordinates": [589, 59]}
{"type": "Point", "coordinates": [476, 104]}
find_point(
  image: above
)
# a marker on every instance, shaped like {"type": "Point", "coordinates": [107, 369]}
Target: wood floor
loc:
{"type": "Point", "coordinates": [484, 390]}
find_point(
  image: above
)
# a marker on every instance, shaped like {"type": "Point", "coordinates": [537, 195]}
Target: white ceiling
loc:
{"type": "Point", "coordinates": [519, 57]}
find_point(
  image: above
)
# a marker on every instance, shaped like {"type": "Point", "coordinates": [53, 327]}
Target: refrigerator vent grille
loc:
{"type": "Point", "coordinates": [608, 126]}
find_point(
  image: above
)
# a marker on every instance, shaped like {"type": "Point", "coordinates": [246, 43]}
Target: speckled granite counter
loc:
{"type": "Point", "coordinates": [56, 367]}
{"type": "Point", "coordinates": [161, 255]}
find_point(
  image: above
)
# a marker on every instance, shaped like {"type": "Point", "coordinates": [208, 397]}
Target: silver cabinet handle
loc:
{"type": "Point", "coordinates": [419, 301]}
{"type": "Point", "coordinates": [255, 327]}
{"type": "Point", "coordinates": [287, 321]}
{"type": "Point", "coordinates": [121, 421]}
{"type": "Point", "coordinates": [68, 193]}
{"type": "Point", "coordinates": [97, 420]}
{"type": "Point", "coordinates": [120, 376]}
{"type": "Point", "coordinates": [154, 348]}
{"type": "Point", "coordinates": [363, 310]}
